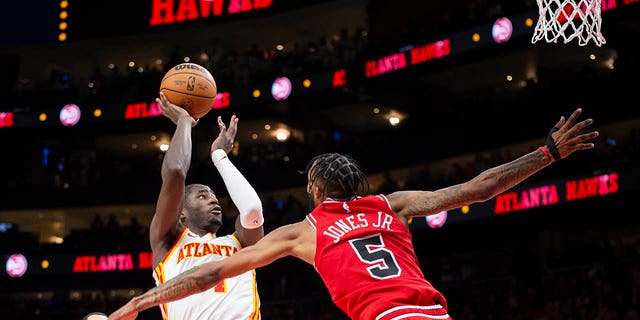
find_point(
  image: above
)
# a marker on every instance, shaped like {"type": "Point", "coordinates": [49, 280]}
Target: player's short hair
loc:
{"type": "Point", "coordinates": [188, 189]}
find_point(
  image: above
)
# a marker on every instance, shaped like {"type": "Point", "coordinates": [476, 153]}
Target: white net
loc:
{"type": "Point", "coordinates": [569, 19]}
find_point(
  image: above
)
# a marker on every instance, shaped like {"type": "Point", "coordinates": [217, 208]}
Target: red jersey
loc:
{"type": "Point", "coordinates": [366, 259]}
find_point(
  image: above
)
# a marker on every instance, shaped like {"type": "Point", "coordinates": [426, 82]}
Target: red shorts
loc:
{"type": "Point", "coordinates": [433, 312]}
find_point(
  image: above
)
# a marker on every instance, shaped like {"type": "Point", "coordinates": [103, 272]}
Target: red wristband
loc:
{"type": "Point", "coordinates": [546, 153]}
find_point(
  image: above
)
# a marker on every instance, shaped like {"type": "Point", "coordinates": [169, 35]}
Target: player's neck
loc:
{"type": "Point", "coordinates": [202, 232]}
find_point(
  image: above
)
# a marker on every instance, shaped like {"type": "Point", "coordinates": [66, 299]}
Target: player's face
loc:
{"type": "Point", "coordinates": [203, 209]}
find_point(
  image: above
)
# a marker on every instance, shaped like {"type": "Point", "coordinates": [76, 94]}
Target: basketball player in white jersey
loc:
{"type": "Point", "coordinates": [183, 228]}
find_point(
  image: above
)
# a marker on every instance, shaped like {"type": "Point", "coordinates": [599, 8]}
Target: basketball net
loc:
{"type": "Point", "coordinates": [569, 19]}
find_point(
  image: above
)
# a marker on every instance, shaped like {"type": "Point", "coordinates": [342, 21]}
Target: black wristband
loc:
{"type": "Point", "coordinates": [551, 145]}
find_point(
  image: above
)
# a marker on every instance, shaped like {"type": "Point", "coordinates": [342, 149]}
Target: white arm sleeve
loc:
{"type": "Point", "coordinates": [241, 192]}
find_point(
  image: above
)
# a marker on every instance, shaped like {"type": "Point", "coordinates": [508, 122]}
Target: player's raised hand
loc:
{"type": "Point", "coordinates": [566, 136]}
{"type": "Point", "coordinates": [172, 111]}
{"type": "Point", "coordinates": [225, 138]}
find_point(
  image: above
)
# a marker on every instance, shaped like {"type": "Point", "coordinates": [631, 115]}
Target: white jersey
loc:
{"type": "Point", "coordinates": [232, 299]}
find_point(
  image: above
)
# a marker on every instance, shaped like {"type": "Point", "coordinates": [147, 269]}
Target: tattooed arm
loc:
{"type": "Point", "coordinates": [296, 239]}
{"type": "Point", "coordinates": [177, 288]}
{"type": "Point", "coordinates": [564, 139]}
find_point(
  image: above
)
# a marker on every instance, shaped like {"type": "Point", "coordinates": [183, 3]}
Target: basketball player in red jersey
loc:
{"type": "Point", "coordinates": [360, 244]}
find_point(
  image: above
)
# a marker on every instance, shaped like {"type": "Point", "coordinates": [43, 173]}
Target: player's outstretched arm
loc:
{"type": "Point", "coordinates": [565, 138]}
{"type": "Point", "coordinates": [281, 242]}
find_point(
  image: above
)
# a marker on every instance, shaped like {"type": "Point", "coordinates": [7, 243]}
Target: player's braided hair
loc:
{"type": "Point", "coordinates": [340, 176]}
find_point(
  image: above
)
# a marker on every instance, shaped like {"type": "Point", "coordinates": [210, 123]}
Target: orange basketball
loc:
{"type": "Point", "coordinates": [191, 87]}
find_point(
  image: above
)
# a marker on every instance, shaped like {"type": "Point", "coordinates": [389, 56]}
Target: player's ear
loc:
{"type": "Point", "coordinates": [309, 188]}
{"type": "Point", "coordinates": [317, 193]}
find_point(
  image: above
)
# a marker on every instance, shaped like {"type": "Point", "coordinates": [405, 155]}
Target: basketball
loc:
{"type": "Point", "coordinates": [191, 87]}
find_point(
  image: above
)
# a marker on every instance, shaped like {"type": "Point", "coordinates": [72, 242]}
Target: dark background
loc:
{"type": "Point", "coordinates": [459, 116]}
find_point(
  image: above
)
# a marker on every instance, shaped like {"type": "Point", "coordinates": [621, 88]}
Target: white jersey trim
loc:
{"type": "Point", "coordinates": [432, 307]}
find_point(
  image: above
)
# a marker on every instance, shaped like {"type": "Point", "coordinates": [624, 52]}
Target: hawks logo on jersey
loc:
{"type": "Point", "coordinates": [196, 249]}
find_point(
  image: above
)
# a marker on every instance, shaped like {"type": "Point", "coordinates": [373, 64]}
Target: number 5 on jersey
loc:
{"type": "Point", "coordinates": [372, 251]}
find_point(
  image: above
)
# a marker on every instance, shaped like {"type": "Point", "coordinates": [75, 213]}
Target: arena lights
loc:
{"type": "Point", "coordinates": [16, 265]}
{"type": "Point", "coordinates": [70, 115]}
{"type": "Point", "coordinates": [437, 220]}
{"type": "Point", "coordinates": [339, 78]}
{"type": "Point", "coordinates": [6, 119]}
{"type": "Point", "coordinates": [528, 22]}
{"type": "Point", "coordinates": [281, 88]}
{"type": "Point", "coordinates": [502, 30]}
{"type": "Point", "coordinates": [223, 100]}
{"type": "Point", "coordinates": [282, 135]}
{"type": "Point", "coordinates": [62, 25]}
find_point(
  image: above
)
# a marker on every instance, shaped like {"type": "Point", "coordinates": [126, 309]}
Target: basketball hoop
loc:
{"type": "Point", "coordinates": [569, 19]}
